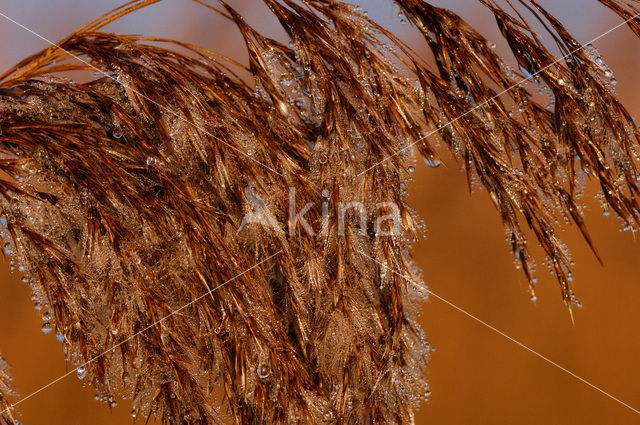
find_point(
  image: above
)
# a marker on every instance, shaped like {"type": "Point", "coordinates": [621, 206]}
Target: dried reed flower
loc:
{"type": "Point", "coordinates": [125, 194]}
{"type": "Point", "coordinates": [6, 393]}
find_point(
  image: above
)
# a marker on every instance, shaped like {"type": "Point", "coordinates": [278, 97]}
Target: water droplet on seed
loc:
{"type": "Point", "coordinates": [263, 371]}
{"type": "Point", "coordinates": [432, 162]}
{"type": "Point", "coordinates": [284, 109]}
{"type": "Point", "coordinates": [82, 372]}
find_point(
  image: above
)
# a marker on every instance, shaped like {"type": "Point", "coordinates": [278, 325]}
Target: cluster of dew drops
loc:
{"type": "Point", "coordinates": [545, 92]}
{"type": "Point", "coordinates": [48, 323]}
{"type": "Point", "coordinates": [41, 306]}
{"type": "Point", "coordinates": [263, 371]}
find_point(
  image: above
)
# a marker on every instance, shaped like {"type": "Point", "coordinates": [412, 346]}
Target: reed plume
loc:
{"type": "Point", "coordinates": [6, 394]}
{"type": "Point", "coordinates": [124, 198]}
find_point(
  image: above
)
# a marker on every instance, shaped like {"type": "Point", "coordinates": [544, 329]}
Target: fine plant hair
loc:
{"type": "Point", "coordinates": [122, 198]}
{"type": "Point", "coordinates": [6, 394]}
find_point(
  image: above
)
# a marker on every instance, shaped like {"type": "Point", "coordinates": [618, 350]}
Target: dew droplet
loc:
{"type": "Point", "coordinates": [263, 371]}
{"type": "Point", "coordinates": [284, 109]}
{"type": "Point", "coordinates": [117, 133]}
{"type": "Point", "coordinates": [411, 169]}
{"type": "Point", "coordinates": [82, 372]}
{"type": "Point", "coordinates": [46, 327]}
{"type": "Point", "coordinates": [285, 80]}
{"type": "Point", "coordinates": [349, 404]}
{"type": "Point", "coordinates": [432, 162]}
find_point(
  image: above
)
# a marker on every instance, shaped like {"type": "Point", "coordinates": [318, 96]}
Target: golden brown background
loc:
{"type": "Point", "coordinates": [476, 375]}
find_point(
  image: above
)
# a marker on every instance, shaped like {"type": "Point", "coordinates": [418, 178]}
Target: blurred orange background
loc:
{"type": "Point", "coordinates": [476, 375]}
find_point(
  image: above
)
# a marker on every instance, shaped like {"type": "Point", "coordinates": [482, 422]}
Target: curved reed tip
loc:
{"type": "Point", "coordinates": [195, 241]}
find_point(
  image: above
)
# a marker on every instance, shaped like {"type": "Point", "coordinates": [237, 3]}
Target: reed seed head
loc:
{"type": "Point", "coordinates": [125, 198]}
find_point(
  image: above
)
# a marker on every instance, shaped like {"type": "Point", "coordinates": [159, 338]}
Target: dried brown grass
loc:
{"type": "Point", "coordinates": [6, 395]}
{"type": "Point", "coordinates": [126, 193]}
